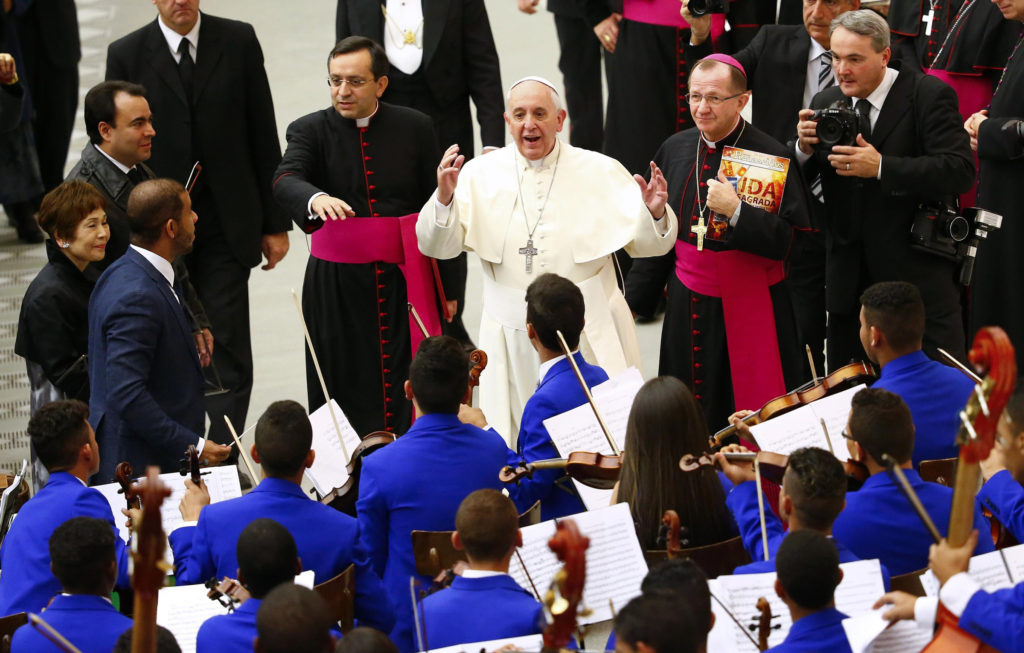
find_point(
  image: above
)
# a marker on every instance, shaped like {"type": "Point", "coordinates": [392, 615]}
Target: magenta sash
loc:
{"type": "Point", "coordinates": [974, 92]}
{"type": "Point", "coordinates": [385, 240]}
{"type": "Point", "coordinates": [741, 280]}
{"type": "Point", "coordinates": [666, 12]}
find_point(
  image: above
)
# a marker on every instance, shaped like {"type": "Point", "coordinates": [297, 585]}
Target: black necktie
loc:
{"type": "Point", "coordinates": [186, 67]}
{"type": "Point", "coordinates": [135, 176]}
{"type": "Point", "coordinates": [864, 109]}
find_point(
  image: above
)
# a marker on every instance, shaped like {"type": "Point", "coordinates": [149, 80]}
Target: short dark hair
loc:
{"type": "Point", "coordinates": [365, 640]}
{"type": "Point", "coordinates": [737, 80]}
{"type": "Point", "coordinates": [283, 437]}
{"type": "Point", "coordinates": [896, 309]}
{"type": "Point", "coordinates": [165, 642]}
{"type": "Point", "coordinates": [487, 523]}
{"type": "Point", "coordinates": [100, 105]}
{"type": "Point", "coordinates": [151, 204]}
{"type": "Point", "coordinates": [657, 620]}
{"type": "Point", "coordinates": [807, 565]}
{"type": "Point", "coordinates": [378, 57]}
{"type": "Point", "coordinates": [266, 554]}
{"type": "Point", "coordinates": [881, 423]}
{"type": "Point", "coordinates": [687, 581]}
{"type": "Point", "coordinates": [81, 550]}
{"type": "Point", "coordinates": [816, 482]}
{"type": "Point", "coordinates": [64, 207]}
{"type": "Point", "coordinates": [57, 431]}
{"type": "Point", "coordinates": [439, 375]}
{"type": "Point", "coordinates": [293, 619]}
{"type": "Point", "coordinates": [554, 303]}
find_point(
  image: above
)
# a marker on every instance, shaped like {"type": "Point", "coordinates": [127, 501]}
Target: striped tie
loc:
{"type": "Point", "coordinates": [825, 80]}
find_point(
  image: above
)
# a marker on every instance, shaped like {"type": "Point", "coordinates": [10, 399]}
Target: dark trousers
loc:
{"type": "Point", "coordinates": [223, 287]}
{"type": "Point", "coordinates": [580, 63]}
{"type": "Point", "coordinates": [55, 100]}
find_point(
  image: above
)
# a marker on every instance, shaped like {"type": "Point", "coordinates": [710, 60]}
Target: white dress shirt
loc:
{"type": "Point", "coordinates": [174, 39]}
{"type": "Point", "coordinates": [404, 16]}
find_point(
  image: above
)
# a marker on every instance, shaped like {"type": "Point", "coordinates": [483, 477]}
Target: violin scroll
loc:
{"type": "Point", "coordinates": [124, 473]}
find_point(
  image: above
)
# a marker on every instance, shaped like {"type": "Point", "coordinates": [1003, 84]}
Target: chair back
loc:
{"type": "Point", "coordinates": [434, 553]}
{"type": "Point", "coordinates": [719, 559]}
{"type": "Point", "coordinates": [8, 625]}
{"type": "Point", "coordinates": [941, 471]}
{"type": "Point", "coordinates": [340, 595]}
{"type": "Point", "coordinates": [531, 516]}
{"type": "Point", "coordinates": [909, 583]}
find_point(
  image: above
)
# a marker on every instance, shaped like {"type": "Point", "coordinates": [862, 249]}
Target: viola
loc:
{"type": "Point", "coordinates": [562, 601]}
{"type": "Point", "coordinates": [149, 571]}
{"type": "Point", "coordinates": [124, 473]}
{"type": "Point", "coordinates": [594, 470]}
{"type": "Point", "coordinates": [842, 379]}
{"type": "Point", "coordinates": [344, 498]}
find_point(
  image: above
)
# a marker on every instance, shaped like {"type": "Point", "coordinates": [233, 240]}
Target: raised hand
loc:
{"type": "Point", "coordinates": [655, 191]}
{"type": "Point", "coordinates": [448, 174]}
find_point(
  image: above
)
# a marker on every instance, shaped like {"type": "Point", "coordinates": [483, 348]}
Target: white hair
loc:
{"type": "Point", "coordinates": [556, 99]}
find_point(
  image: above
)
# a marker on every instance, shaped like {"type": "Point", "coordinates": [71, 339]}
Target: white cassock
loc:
{"type": "Point", "coordinates": [595, 208]}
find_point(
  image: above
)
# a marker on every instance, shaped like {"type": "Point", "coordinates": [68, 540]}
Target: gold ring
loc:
{"type": "Point", "coordinates": [607, 38]}
{"type": "Point", "coordinates": [847, 166]}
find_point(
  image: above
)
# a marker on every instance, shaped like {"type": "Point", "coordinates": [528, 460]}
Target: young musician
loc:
{"type": "Point", "coordinates": [165, 642]}
{"type": "Point", "coordinates": [484, 603]}
{"type": "Point", "coordinates": [267, 557]}
{"type": "Point", "coordinates": [293, 619]}
{"type": "Point", "coordinates": [553, 304]}
{"type": "Point", "coordinates": [807, 566]}
{"type": "Point", "coordinates": [812, 495]}
{"type": "Point", "coordinates": [418, 482]}
{"type": "Point", "coordinates": [327, 540]}
{"type": "Point", "coordinates": [66, 445]}
{"type": "Point", "coordinates": [653, 623]}
{"type": "Point", "coordinates": [84, 560]}
{"type": "Point", "coordinates": [665, 423]}
{"type": "Point", "coordinates": [879, 521]}
{"type": "Point", "coordinates": [365, 640]}
{"type": "Point", "coordinates": [1002, 492]}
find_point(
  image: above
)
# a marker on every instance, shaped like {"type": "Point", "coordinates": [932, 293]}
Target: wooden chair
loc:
{"type": "Point", "coordinates": [719, 559]}
{"type": "Point", "coordinates": [909, 583]}
{"type": "Point", "coordinates": [941, 471]}
{"type": "Point", "coordinates": [531, 516]}
{"type": "Point", "coordinates": [433, 552]}
{"type": "Point", "coordinates": [340, 595]}
{"type": "Point", "coordinates": [8, 625]}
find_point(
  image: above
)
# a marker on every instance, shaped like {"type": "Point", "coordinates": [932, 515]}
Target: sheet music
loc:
{"type": "Point", "coordinates": [7, 498]}
{"type": "Point", "coordinates": [615, 562]}
{"type": "Point", "coordinates": [870, 633]}
{"type": "Point", "coordinates": [579, 430]}
{"type": "Point", "coordinates": [802, 427]}
{"type": "Point", "coordinates": [988, 570]}
{"type": "Point", "coordinates": [1014, 558]}
{"type": "Point", "coordinates": [523, 643]}
{"type": "Point", "coordinates": [182, 610]}
{"type": "Point", "coordinates": [328, 471]}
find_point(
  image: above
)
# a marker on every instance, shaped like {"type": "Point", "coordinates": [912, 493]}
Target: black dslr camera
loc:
{"type": "Point", "coordinates": [701, 7]}
{"type": "Point", "coordinates": [938, 229]}
{"type": "Point", "coordinates": [838, 124]}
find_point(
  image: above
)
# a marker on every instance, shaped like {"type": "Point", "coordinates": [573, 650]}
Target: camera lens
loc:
{"type": "Point", "coordinates": [958, 228]}
{"type": "Point", "coordinates": [829, 130]}
{"type": "Point", "coordinates": [698, 7]}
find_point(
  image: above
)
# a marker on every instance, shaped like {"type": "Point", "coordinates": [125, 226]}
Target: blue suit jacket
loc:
{"type": "Point", "coordinates": [229, 633]}
{"type": "Point", "coordinates": [147, 387]}
{"type": "Point", "coordinates": [1004, 497]}
{"type": "Point", "coordinates": [821, 631]}
{"type": "Point", "coordinates": [89, 622]}
{"type": "Point", "coordinates": [27, 583]}
{"type": "Point", "coordinates": [997, 618]}
{"type": "Point", "coordinates": [914, 378]}
{"type": "Point", "coordinates": [557, 393]}
{"type": "Point", "coordinates": [417, 483]}
{"type": "Point", "coordinates": [480, 609]}
{"type": "Point", "coordinates": [879, 522]}
{"type": "Point", "coordinates": [327, 540]}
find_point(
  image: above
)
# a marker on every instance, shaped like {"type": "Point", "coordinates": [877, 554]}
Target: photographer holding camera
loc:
{"type": "Point", "coordinates": [898, 143]}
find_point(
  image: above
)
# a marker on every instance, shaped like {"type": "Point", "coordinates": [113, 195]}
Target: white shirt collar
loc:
{"type": "Point", "coordinates": [816, 51]}
{"type": "Point", "coordinates": [120, 166]}
{"type": "Point", "coordinates": [105, 598]}
{"type": "Point", "coordinates": [877, 96]}
{"type": "Point", "coordinates": [481, 573]}
{"type": "Point", "coordinates": [162, 265]}
{"type": "Point", "coordinates": [174, 39]}
{"type": "Point", "coordinates": [364, 122]}
{"type": "Point", "coordinates": [545, 162]}
{"type": "Point", "coordinates": [546, 366]}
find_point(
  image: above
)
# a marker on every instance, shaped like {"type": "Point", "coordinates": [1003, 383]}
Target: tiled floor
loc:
{"type": "Point", "coordinates": [295, 37]}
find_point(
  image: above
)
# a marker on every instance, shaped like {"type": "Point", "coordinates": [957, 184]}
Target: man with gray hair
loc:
{"type": "Point", "coordinates": [907, 150]}
{"type": "Point", "coordinates": [539, 206]}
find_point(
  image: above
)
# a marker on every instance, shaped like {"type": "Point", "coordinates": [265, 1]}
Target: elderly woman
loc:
{"type": "Point", "coordinates": [53, 326]}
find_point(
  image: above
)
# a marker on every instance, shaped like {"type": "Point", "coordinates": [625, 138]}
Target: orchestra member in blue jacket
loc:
{"type": "Point", "coordinates": [1003, 470]}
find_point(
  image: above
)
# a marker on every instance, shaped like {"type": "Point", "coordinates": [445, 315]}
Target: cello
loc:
{"type": "Point", "coordinates": [149, 571]}
{"type": "Point", "coordinates": [562, 601]}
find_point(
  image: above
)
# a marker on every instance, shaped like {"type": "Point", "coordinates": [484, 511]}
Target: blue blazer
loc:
{"type": "Point", "coordinates": [821, 631]}
{"type": "Point", "coordinates": [557, 393]}
{"type": "Point", "coordinates": [997, 618]}
{"type": "Point", "coordinates": [417, 483]}
{"type": "Point", "coordinates": [1004, 497]}
{"type": "Point", "coordinates": [89, 622]}
{"type": "Point", "coordinates": [327, 540]}
{"type": "Point", "coordinates": [229, 633]}
{"type": "Point", "coordinates": [914, 378]}
{"type": "Point", "coordinates": [27, 584]}
{"type": "Point", "coordinates": [147, 387]}
{"type": "Point", "coordinates": [479, 610]}
{"type": "Point", "coordinates": [879, 522]}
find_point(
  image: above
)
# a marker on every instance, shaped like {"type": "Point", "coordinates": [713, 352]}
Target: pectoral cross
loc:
{"type": "Point", "coordinates": [700, 229]}
{"type": "Point", "coordinates": [529, 252]}
{"type": "Point", "coordinates": [928, 19]}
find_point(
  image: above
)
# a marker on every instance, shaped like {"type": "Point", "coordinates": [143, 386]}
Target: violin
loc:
{"type": "Point", "coordinates": [599, 471]}
{"type": "Point", "coordinates": [478, 359]}
{"type": "Point", "coordinates": [344, 498]}
{"type": "Point", "coordinates": [228, 592]}
{"type": "Point", "coordinates": [190, 465]}
{"type": "Point", "coordinates": [562, 601]}
{"type": "Point", "coordinates": [149, 571]}
{"type": "Point", "coordinates": [842, 379]}
{"type": "Point", "coordinates": [124, 473]}
{"type": "Point", "coordinates": [773, 466]}
{"type": "Point", "coordinates": [764, 623]}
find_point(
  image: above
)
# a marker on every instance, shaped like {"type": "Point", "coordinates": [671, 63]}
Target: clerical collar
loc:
{"type": "Point", "coordinates": [545, 162]}
{"type": "Point", "coordinates": [365, 122]}
{"type": "Point", "coordinates": [713, 145]}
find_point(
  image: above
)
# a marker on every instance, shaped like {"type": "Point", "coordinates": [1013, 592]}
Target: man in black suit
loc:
{"type": "Point", "coordinates": [911, 148]}
{"type": "Point", "coordinates": [205, 79]}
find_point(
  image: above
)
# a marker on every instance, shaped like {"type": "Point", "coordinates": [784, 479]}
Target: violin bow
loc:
{"type": "Point", "coordinates": [828, 438]}
{"type": "Point", "coordinates": [960, 366]}
{"type": "Point", "coordinates": [760, 508]}
{"type": "Point", "coordinates": [319, 374]}
{"type": "Point", "coordinates": [418, 623]}
{"type": "Point", "coordinates": [527, 572]}
{"type": "Point", "coordinates": [908, 491]}
{"type": "Point", "coordinates": [586, 391]}
{"type": "Point", "coordinates": [241, 451]}
{"type": "Point", "coordinates": [419, 322]}
{"type": "Point", "coordinates": [50, 633]}
{"type": "Point", "coordinates": [736, 621]}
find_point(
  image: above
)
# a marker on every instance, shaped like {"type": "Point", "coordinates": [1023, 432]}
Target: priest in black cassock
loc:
{"type": "Point", "coordinates": [349, 174]}
{"type": "Point", "coordinates": [729, 333]}
{"type": "Point", "coordinates": [998, 138]}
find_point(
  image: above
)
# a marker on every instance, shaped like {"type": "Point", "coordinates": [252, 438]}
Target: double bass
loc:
{"type": "Point", "coordinates": [149, 571]}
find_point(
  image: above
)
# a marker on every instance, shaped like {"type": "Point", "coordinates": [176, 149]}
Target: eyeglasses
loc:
{"type": "Point", "coordinates": [712, 100]}
{"type": "Point", "coordinates": [336, 82]}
